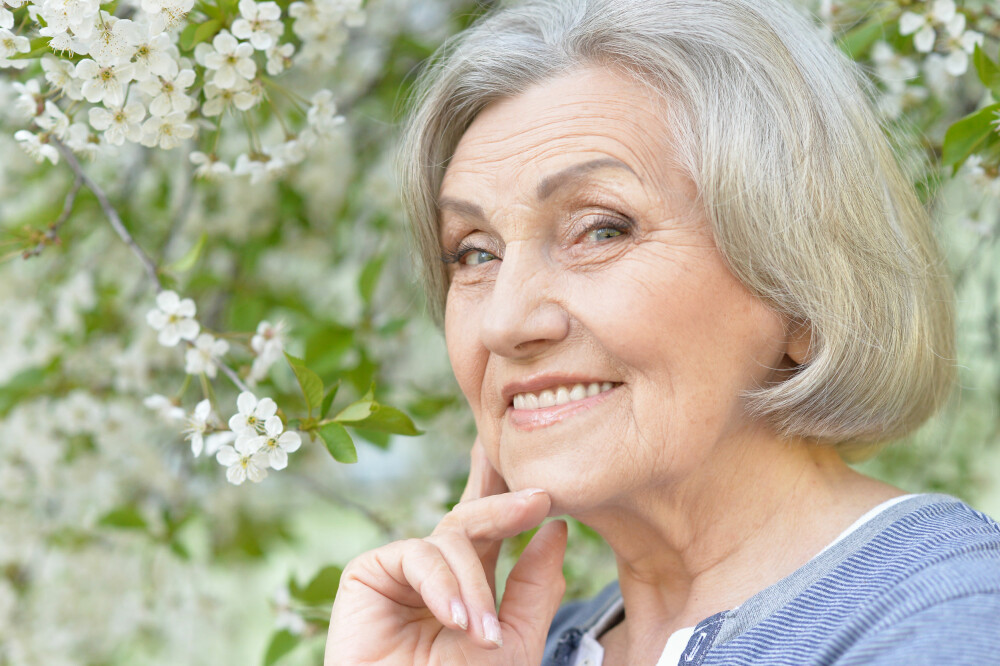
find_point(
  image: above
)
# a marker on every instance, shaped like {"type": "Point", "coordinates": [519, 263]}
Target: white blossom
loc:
{"type": "Point", "coordinates": [119, 123]}
{"type": "Point", "coordinates": [68, 21]}
{"type": "Point", "coordinates": [103, 83]}
{"type": "Point", "coordinates": [209, 166]}
{"type": "Point", "coordinates": [173, 318]}
{"type": "Point", "coordinates": [53, 120]}
{"type": "Point", "coordinates": [959, 45]}
{"type": "Point", "coordinates": [219, 99]}
{"type": "Point", "coordinates": [153, 57]}
{"type": "Point", "coordinates": [216, 440]}
{"type": "Point", "coordinates": [113, 41]}
{"type": "Point", "coordinates": [80, 140]}
{"type": "Point", "coordinates": [168, 92]}
{"type": "Point", "coordinates": [11, 45]}
{"type": "Point", "coordinates": [61, 74]}
{"type": "Point", "coordinates": [167, 131]}
{"type": "Point", "coordinates": [260, 23]}
{"type": "Point", "coordinates": [274, 443]}
{"type": "Point", "coordinates": [941, 13]}
{"type": "Point", "coordinates": [30, 102]}
{"type": "Point", "coordinates": [279, 58]}
{"type": "Point", "coordinates": [198, 424]}
{"type": "Point", "coordinates": [251, 414]}
{"type": "Point", "coordinates": [202, 358]}
{"type": "Point", "coordinates": [229, 59]}
{"type": "Point", "coordinates": [164, 407]}
{"type": "Point", "coordinates": [36, 147]}
{"type": "Point", "coordinates": [243, 461]}
{"type": "Point", "coordinates": [321, 115]}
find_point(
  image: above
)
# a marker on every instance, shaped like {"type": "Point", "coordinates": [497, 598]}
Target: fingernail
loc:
{"type": "Point", "coordinates": [458, 614]}
{"type": "Point", "coordinates": [528, 492]}
{"type": "Point", "coordinates": [491, 629]}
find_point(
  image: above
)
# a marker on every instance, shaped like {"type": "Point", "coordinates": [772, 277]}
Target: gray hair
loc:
{"type": "Point", "coordinates": [804, 195]}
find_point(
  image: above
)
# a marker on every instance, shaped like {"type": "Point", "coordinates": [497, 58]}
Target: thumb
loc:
{"type": "Point", "coordinates": [535, 587]}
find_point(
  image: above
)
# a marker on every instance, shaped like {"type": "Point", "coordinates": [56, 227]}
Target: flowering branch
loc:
{"type": "Point", "coordinates": [109, 212]}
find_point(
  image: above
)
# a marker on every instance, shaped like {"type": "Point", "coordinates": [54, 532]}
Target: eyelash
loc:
{"type": "Point", "coordinates": [621, 225]}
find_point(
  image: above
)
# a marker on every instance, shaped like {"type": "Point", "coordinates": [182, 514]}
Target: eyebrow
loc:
{"type": "Point", "coordinates": [548, 185]}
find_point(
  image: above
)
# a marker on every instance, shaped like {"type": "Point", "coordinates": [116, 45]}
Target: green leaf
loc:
{"type": "Point", "coordinates": [989, 72]}
{"type": "Point", "coordinates": [356, 411]}
{"type": "Point", "coordinates": [188, 261]}
{"type": "Point", "coordinates": [282, 642]}
{"type": "Point", "coordinates": [125, 517]}
{"type": "Point", "coordinates": [205, 32]}
{"type": "Point", "coordinates": [968, 135]}
{"type": "Point", "coordinates": [322, 589]}
{"type": "Point", "coordinates": [186, 39]}
{"type": "Point", "coordinates": [369, 278]}
{"type": "Point", "coordinates": [388, 419]}
{"type": "Point", "coordinates": [37, 47]}
{"type": "Point", "coordinates": [338, 442]}
{"type": "Point", "coordinates": [309, 381]}
{"type": "Point", "coordinates": [328, 400]}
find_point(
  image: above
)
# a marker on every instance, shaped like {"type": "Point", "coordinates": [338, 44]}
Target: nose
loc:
{"type": "Point", "coordinates": [523, 316]}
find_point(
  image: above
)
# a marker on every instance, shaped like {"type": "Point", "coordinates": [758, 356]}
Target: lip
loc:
{"type": "Point", "coordinates": [540, 382]}
{"type": "Point", "coordinates": [533, 419]}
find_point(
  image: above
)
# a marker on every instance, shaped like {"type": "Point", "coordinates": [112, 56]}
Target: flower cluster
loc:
{"type": "Point", "coordinates": [107, 79]}
{"type": "Point", "coordinates": [261, 441]}
{"type": "Point", "coordinates": [942, 26]}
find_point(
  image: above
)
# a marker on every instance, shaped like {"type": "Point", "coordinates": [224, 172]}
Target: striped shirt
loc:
{"type": "Point", "coordinates": [917, 584]}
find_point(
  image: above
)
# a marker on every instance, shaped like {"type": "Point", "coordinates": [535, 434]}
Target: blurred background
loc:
{"type": "Point", "coordinates": [268, 198]}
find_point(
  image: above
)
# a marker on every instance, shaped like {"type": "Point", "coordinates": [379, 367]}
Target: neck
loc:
{"type": "Point", "coordinates": [688, 549]}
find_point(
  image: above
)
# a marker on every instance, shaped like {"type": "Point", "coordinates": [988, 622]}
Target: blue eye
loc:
{"type": "Point", "coordinates": [476, 257]}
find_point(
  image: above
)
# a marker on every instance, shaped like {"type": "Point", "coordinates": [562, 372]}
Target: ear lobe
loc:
{"type": "Point", "coordinates": [799, 341]}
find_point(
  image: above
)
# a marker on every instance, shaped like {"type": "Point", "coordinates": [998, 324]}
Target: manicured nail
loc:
{"type": "Point", "coordinates": [458, 614]}
{"type": "Point", "coordinates": [528, 492]}
{"type": "Point", "coordinates": [491, 629]}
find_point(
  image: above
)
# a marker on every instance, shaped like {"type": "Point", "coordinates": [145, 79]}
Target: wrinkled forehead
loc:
{"type": "Point", "coordinates": [579, 118]}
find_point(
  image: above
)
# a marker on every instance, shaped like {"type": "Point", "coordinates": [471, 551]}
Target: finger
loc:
{"type": "Point", "coordinates": [484, 480]}
{"type": "Point", "coordinates": [419, 565]}
{"type": "Point", "coordinates": [535, 587]}
{"type": "Point", "coordinates": [477, 594]}
{"type": "Point", "coordinates": [487, 520]}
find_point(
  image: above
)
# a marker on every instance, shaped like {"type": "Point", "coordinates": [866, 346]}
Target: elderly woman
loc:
{"type": "Point", "coordinates": [680, 274]}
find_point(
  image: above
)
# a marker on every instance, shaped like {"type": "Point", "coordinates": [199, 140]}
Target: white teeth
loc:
{"type": "Point", "coordinates": [561, 395]}
{"type": "Point", "coordinates": [546, 399]}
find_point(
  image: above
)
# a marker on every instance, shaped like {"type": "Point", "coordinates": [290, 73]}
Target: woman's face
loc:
{"type": "Point", "coordinates": [592, 324]}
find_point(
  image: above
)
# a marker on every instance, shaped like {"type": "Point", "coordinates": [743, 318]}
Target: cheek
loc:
{"type": "Point", "coordinates": [467, 356]}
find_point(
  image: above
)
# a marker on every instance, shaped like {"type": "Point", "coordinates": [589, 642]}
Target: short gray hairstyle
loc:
{"type": "Point", "coordinates": [802, 190]}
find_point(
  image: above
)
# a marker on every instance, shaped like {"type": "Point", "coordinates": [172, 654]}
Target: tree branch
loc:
{"type": "Point", "coordinates": [109, 211]}
{"type": "Point", "coordinates": [52, 235]}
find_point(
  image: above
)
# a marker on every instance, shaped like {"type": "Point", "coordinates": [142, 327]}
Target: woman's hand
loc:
{"type": "Point", "coordinates": [432, 600]}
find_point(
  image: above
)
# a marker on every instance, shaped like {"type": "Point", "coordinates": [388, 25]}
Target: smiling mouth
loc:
{"type": "Point", "coordinates": [531, 411]}
{"type": "Point", "coordinates": [560, 395]}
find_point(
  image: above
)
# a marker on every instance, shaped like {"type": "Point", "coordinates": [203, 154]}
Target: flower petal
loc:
{"type": "Point", "coordinates": [246, 402]}
{"type": "Point", "coordinates": [266, 408]}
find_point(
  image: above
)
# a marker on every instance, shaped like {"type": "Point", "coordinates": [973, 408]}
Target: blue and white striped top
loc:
{"type": "Point", "coordinates": [917, 584]}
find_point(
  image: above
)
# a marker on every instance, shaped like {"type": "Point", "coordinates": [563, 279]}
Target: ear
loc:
{"type": "Point", "coordinates": [799, 340]}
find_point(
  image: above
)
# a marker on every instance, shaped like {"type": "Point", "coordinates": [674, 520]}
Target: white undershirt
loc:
{"type": "Point", "coordinates": [591, 652]}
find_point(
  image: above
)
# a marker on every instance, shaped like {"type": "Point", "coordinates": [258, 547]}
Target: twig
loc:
{"type": "Point", "coordinates": [109, 211]}
{"type": "Point", "coordinates": [52, 235]}
{"type": "Point", "coordinates": [233, 376]}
